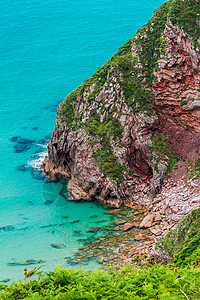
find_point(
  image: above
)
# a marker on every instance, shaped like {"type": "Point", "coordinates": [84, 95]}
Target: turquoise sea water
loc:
{"type": "Point", "coordinates": [48, 48]}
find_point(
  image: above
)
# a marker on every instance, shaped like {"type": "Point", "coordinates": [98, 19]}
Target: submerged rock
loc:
{"type": "Point", "coordinates": [8, 228]}
{"type": "Point", "coordinates": [58, 246]}
{"type": "Point", "coordinates": [113, 211]}
{"type": "Point", "coordinates": [22, 147]}
{"type": "Point", "coordinates": [95, 229]}
{"type": "Point", "coordinates": [37, 174]}
{"type": "Point", "coordinates": [5, 280]}
{"type": "Point", "coordinates": [22, 168]}
{"type": "Point", "coordinates": [25, 141]}
{"type": "Point", "coordinates": [14, 138]}
{"type": "Point", "coordinates": [72, 262]}
{"type": "Point", "coordinates": [48, 202]}
{"type": "Point", "coordinates": [22, 144]}
{"type": "Point", "coordinates": [25, 263]}
{"type": "Point", "coordinates": [75, 221]}
{"type": "Point", "coordinates": [94, 216]}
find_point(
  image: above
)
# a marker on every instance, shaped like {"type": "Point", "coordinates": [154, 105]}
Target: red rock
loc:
{"type": "Point", "coordinates": [156, 231]}
{"type": "Point", "coordinates": [136, 224]}
{"type": "Point", "coordinates": [139, 237]}
{"type": "Point", "coordinates": [175, 209]}
{"type": "Point", "coordinates": [128, 226]}
{"type": "Point", "coordinates": [119, 222]}
{"type": "Point", "coordinates": [147, 221]}
{"type": "Point", "coordinates": [157, 218]}
{"type": "Point", "coordinates": [162, 211]}
{"type": "Point", "coordinates": [112, 211]}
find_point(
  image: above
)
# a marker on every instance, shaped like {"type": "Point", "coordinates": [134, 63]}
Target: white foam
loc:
{"type": "Point", "coordinates": [36, 163]}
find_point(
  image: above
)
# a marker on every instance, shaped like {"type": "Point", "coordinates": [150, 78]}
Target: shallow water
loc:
{"type": "Point", "coordinates": [47, 49]}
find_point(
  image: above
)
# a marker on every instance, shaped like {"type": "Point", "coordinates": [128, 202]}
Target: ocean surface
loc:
{"type": "Point", "coordinates": [47, 49]}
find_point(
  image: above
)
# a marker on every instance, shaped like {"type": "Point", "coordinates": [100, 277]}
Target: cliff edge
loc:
{"type": "Point", "coordinates": [137, 119]}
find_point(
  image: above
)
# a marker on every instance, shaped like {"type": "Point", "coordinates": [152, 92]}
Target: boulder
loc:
{"type": "Point", "coordinates": [147, 221]}
{"type": "Point", "coordinates": [128, 226]}
{"type": "Point", "coordinates": [157, 231]}
{"type": "Point", "coordinates": [120, 222]}
{"type": "Point", "coordinates": [139, 237]}
{"type": "Point", "coordinates": [157, 218]}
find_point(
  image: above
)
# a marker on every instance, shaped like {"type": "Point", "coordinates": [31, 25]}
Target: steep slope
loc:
{"type": "Point", "coordinates": [122, 130]}
{"type": "Point", "coordinates": [183, 243]}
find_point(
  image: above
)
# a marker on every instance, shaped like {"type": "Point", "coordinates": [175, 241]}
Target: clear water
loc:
{"type": "Point", "coordinates": [47, 48]}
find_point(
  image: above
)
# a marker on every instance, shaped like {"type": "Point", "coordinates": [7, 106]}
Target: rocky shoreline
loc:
{"type": "Point", "coordinates": [133, 236]}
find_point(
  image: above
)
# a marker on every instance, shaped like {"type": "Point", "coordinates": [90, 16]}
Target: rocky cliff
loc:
{"type": "Point", "coordinates": [137, 119]}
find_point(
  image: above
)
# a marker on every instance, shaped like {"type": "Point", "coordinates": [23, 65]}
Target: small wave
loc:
{"type": "Point", "coordinates": [36, 163]}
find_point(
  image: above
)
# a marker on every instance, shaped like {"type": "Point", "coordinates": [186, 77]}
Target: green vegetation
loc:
{"type": "Point", "coordinates": [104, 156]}
{"type": "Point", "coordinates": [136, 81]}
{"type": "Point", "coordinates": [196, 169]}
{"type": "Point", "coordinates": [151, 42]}
{"type": "Point", "coordinates": [108, 164]}
{"type": "Point", "coordinates": [67, 111]}
{"type": "Point", "coordinates": [163, 151]}
{"type": "Point", "coordinates": [154, 282]}
{"type": "Point", "coordinates": [136, 88]}
{"type": "Point", "coordinates": [187, 15]}
{"type": "Point", "coordinates": [183, 243]}
{"type": "Point", "coordinates": [184, 102]}
{"type": "Point", "coordinates": [110, 128]}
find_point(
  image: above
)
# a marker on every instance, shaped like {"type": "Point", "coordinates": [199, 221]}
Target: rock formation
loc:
{"type": "Point", "coordinates": [119, 133]}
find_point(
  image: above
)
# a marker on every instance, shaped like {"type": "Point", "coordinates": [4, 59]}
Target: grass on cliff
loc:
{"type": "Point", "coordinates": [163, 152]}
{"type": "Point", "coordinates": [195, 171]}
{"type": "Point", "coordinates": [186, 14]}
{"type": "Point", "coordinates": [183, 243]}
{"type": "Point", "coordinates": [135, 88]}
{"type": "Point", "coordinates": [153, 282]}
{"type": "Point", "coordinates": [104, 156]}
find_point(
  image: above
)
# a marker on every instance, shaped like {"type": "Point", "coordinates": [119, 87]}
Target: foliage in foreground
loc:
{"type": "Point", "coordinates": [153, 282]}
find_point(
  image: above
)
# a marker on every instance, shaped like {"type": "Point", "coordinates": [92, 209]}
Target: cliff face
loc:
{"type": "Point", "coordinates": [122, 130]}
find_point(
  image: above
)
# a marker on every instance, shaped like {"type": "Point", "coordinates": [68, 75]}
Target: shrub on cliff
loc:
{"type": "Point", "coordinates": [183, 243]}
